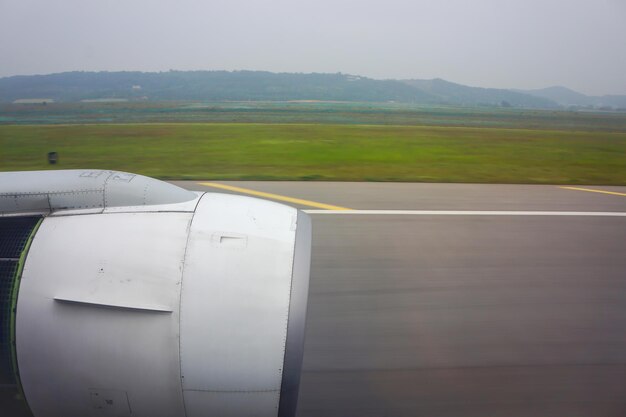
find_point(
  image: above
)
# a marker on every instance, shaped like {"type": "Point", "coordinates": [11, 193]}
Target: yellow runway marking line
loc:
{"type": "Point", "coordinates": [594, 191]}
{"type": "Point", "coordinates": [273, 196]}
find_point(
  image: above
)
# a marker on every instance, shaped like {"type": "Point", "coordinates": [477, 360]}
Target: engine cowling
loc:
{"type": "Point", "coordinates": [134, 297]}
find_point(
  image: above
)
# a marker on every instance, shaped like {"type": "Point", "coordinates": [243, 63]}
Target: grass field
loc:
{"type": "Point", "coordinates": [390, 114]}
{"type": "Point", "coordinates": [323, 152]}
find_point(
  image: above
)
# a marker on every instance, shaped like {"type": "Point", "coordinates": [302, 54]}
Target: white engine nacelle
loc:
{"type": "Point", "coordinates": [133, 297]}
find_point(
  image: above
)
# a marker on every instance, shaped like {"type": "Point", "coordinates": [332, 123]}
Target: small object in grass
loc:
{"type": "Point", "coordinates": [53, 157]}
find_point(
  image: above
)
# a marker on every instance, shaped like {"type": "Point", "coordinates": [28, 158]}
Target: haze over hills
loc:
{"type": "Point", "coordinates": [207, 85]}
{"type": "Point", "coordinates": [452, 93]}
{"type": "Point", "coordinates": [266, 86]}
{"type": "Point", "coordinates": [567, 97]}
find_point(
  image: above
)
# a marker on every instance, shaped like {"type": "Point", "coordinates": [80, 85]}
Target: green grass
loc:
{"type": "Point", "coordinates": [323, 152]}
{"type": "Point", "coordinates": [390, 114]}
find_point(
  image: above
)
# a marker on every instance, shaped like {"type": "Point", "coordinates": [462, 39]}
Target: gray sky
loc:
{"type": "Point", "coordinates": [490, 43]}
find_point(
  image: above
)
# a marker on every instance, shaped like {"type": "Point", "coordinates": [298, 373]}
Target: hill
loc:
{"type": "Point", "coordinates": [206, 86]}
{"type": "Point", "coordinates": [567, 97]}
{"type": "Point", "coordinates": [452, 93]}
{"type": "Point", "coordinates": [260, 86]}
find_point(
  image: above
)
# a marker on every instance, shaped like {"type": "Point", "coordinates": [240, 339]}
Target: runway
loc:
{"type": "Point", "coordinates": [463, 314]}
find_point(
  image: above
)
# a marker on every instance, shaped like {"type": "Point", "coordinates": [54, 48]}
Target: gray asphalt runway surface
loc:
{"type": "Point", "coordinates": [463, 315]}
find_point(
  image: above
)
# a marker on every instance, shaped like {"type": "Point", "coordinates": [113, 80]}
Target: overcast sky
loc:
{"type": "Point", "coordinates": [580, 44]}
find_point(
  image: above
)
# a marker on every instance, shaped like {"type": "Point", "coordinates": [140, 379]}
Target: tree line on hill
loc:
{"type": "Point", "coordinates": [266, 86]}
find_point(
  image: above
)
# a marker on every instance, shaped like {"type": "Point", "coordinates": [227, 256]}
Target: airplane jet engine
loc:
{"type": "Point", "coordinates": [121, 295]}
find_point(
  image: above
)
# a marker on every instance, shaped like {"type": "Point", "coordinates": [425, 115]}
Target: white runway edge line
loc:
{"type": "Point", "coordinates": [470, 213]}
